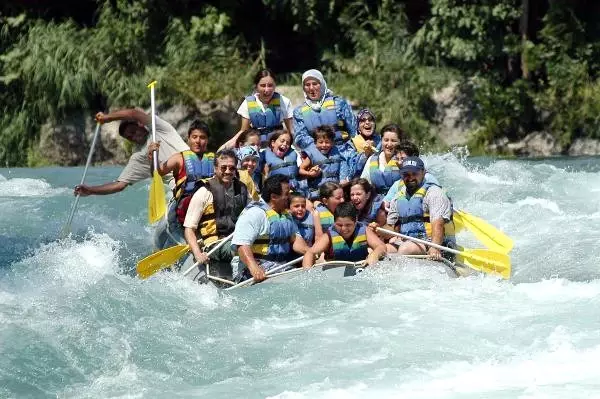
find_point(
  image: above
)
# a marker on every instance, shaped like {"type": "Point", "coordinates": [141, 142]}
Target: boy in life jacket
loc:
{"type": "Point", "coordinates": [346, 240]}
{"type": "Point", "coordinates": [304, 219]}
{"type": "Point", "coordinates": [326, 165]}
{"type": "Point", "coordinates": [189, 168]}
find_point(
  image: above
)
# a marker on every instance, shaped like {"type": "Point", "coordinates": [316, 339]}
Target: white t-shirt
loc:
{"type": "Point", "coordinates": [139, 167]}
{"type": "Point", "coordinates": [285, 104]}
{"type": "Point", "coordinates": [197, 206]}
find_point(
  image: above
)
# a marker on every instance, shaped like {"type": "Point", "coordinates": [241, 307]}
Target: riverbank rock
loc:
{"type": "Point", "coordinates": [586, 146]}
{"type": "Point", "coordinates": [536, 144]}
{"type": "Point", "coordinates": [453, 116]}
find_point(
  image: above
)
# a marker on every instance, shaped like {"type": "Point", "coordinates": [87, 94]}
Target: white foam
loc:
{"type": "Point", "coordinates": [540, 202]}
{"type": "Point", "coordinates": [23, 187]}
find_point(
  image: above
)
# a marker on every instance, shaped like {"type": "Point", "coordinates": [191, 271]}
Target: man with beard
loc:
{"type": "Point", "coordinates": [265, 234]}
{"type": "Point", "coordinates": [422, 210]}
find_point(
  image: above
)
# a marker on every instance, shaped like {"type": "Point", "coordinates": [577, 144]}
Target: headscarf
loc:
{"type": "Point", "coordinates": [246, 152]}
{"type": "Point", "coordinates": [315, 74]}
{"type": "Point", "coordinates": [366, 111]}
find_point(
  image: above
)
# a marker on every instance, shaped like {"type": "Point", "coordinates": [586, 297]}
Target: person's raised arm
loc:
{"type": "Point", "coordinates": [129, 113]}
{"type": "Point", "coordinates": [317, 223]}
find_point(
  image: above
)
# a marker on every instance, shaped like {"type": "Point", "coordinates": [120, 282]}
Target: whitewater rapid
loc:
{"type": "Point", "coordinates": [75, 322]}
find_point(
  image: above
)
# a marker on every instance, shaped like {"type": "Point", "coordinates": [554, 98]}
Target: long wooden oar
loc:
{"type": "Point", "coordinates": [270, 272]}
{"type": "Point", "coordinates": [157, 205]}
{"type": "Point", "coordinates": [483, 260]}
{"type": "Point", "coordinates": [166, 257]}
{"type": "Point", "coordinates": [487, 234]}
{"type": "Point", "coordinates": [67, 227]}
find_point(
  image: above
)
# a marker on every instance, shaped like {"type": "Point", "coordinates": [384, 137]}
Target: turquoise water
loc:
{"type": "Point", "coordinates": [75, 322]}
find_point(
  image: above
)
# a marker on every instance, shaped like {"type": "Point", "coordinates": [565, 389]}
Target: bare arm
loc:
{"type": "Point", "coordinates": [229, 144]}
{"type": "Point", "coordinates": [299, 245]}
{"type": "Point", "coordinates": [192, 240]}
{"type": "Point", "coordinates": [317, 223]}
{"type": "Point", "coordinates": [130, 113]}
{"type": "Point", "coordinates": [173, 164]}
{"type": "Point", "coordinates": [102, 189]}
{"type": "Point", "coordinates": [289, 125]}
{"type": "Point", "coordinates": [247, 257]}
{"type": "Point", "coordinates": [320, 246]}
{"type": "Point", "coordinates": [437, 237]}
{"type": "Point", "coordinates": [306, 170]}
{"type": "Point", "coordinates": [376, 245]}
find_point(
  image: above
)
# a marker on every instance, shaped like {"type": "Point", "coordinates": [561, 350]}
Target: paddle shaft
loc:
{"type": "Point", "coordinates": [270, 272]}
{"type": "Point", "coordinates": [428, 243]}
{"type": "Point", "coordinates": [212, 251]}
{"type": "Point", "coordinates": [153, 117]}
{"type": "Point", "coordinates": [87, 165]}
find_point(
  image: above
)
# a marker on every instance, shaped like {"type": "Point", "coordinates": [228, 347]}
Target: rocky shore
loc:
{"type": "Point", "coordinates": [68, 143]}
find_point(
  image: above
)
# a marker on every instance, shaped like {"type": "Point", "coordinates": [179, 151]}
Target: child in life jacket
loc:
{"type": "Point", "coordinates": [248, 159]}
{"type": "Point", "coordinates": [325, 165]}
{"type": "Point", "coordinates": [280, 158]}
{"type": "Point", "coordinates": [304, 219]}
{"type": "Point", "coordinates": [347, 240]}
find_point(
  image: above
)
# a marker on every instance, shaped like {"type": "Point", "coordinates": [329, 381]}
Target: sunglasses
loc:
{"type": "Point", "coordinates": [366, 120]}
{"type": "Point", "coordinates": [224, 168]}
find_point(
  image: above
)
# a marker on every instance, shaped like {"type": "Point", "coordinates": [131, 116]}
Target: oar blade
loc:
{"type": "Point", "coordinates": [487, 234]}
{"type": "Point", "coordinates": [487, 261]}
{"type": "Point", "coordinates": [157, 205]}
{"type": "Point", "coordinates": [161, 259]}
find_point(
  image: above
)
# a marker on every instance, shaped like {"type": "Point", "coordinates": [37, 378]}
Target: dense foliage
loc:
{"type": "Point", "coordinates": [523, 65]}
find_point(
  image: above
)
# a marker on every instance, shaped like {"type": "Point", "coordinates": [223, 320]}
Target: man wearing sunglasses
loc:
{"type": "Point", "coordinates": [223, 196]}
{"type": "Point", "coordinates": [422, 210]}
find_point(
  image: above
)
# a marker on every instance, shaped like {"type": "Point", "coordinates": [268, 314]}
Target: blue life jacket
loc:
{"type": "Point", "coordinates": [383, 180]}
{"type": "Point", "coordinates": [330, 171]}
{"type": "Point", "coordinates": [276, 245]}
{"type": "Point", "coordinates": [287, 166]}
{"type": "Point", "coordinates": [354, 152]}
{"type": "Point", "coordinates": [306, 227]}
{"type": "Point", "coordinates": [194, 169]}
{"type": "Point", "coordinates": [414, 222]}
{"type": "Point", "coordinates": [325, 216]}
{"type": "Point", "coordinates": [265, 121]}
{"type": "Point", "coordinates": [356, 251]}
{"type": "Point", "coordinates": [327, 115]}
{"type": "Point", "coordinates": [372, 215]}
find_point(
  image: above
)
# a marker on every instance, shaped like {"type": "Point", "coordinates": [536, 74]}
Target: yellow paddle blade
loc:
{"type": "Point", "coordinates": [487, 234]}
{"type": "Point", "coordinates": [157, 206]}
{"type": "Point", "coordinates": [486, 261]}
{"type": "Point", "coordinates": [161, 259]}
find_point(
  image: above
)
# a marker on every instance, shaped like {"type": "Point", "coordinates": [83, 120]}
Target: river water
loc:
{"type": "Point", "coordinates": [75, 322]}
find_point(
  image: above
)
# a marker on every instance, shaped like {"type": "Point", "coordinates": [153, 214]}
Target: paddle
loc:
{"type": "Point", "coordinates": [487, 234]}
{"type": "Point", "coordinates": [483, 260]}
{"type": "Point", "coordinates": [67, 227]}
{"type": "Point", "coordinates": [157, 205]}
{"type": "Point", "coordinates": [270, 272]}
{"type": "Point", "coordinates": [166, 257]}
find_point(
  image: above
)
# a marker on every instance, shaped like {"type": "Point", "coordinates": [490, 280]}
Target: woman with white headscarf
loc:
{"type": "Point", "coordinates": [321, 107]}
